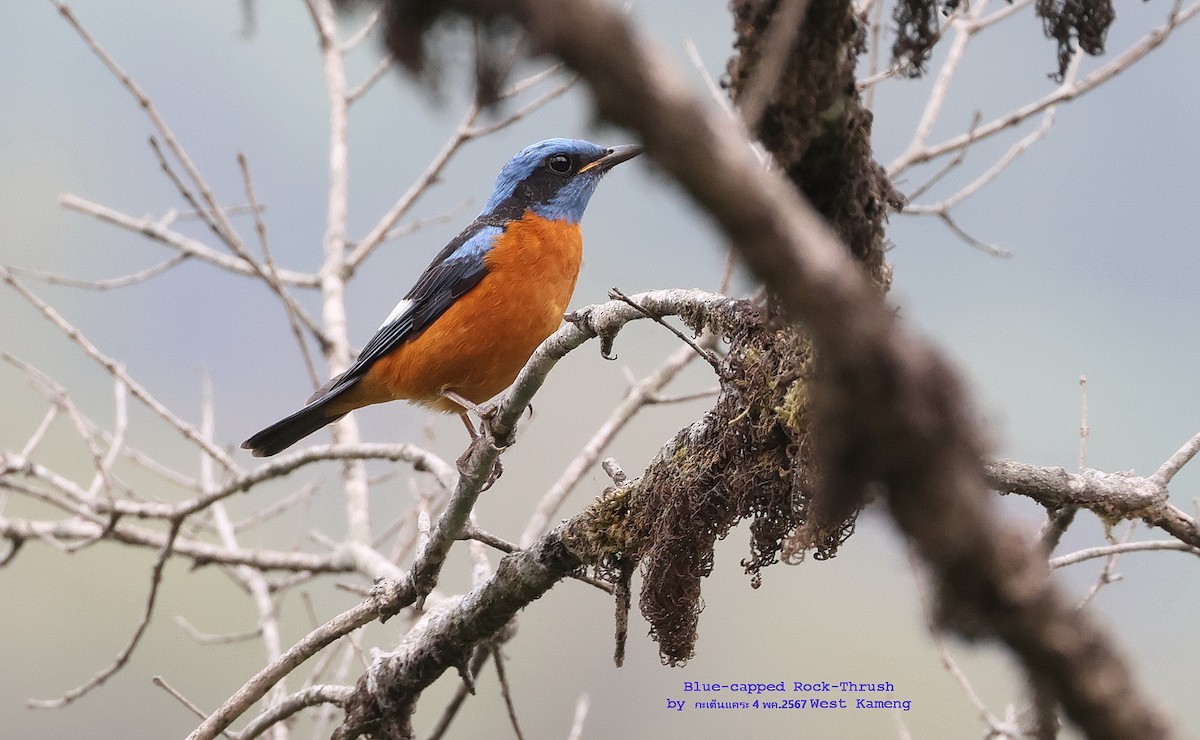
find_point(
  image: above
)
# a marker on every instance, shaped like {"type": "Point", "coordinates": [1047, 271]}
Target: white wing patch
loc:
{"type": "Point", "coordinates": [401, 308]}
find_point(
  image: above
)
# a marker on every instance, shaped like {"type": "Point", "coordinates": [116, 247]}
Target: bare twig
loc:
{"type": "Point", "coordinates": [362, 33]}
{"type": "Point", "coordinates": [1107, 575]}
{"type": "Point", "coordinates": [472, 532]}
{"type": "Point", "coordinates": [116, 445]}
{"type": "Point", "coordinates": [949, 166]}
{"type": "Point", "coordinates": [222, 225]}
{"type": "Point", "coordinates": [334, 273]}
{"type": "Point", "coordinates": [464, 132]}
{"type": "Point", "coordinates": [1105, 551]}
{"type": "Point", "coordinates": [277, 507]}
{"type": "Point", "coordinates": [325, 713]}
{"type": "Point", "coordinates": [184, 245]}
{"type": "Point", "coordinates": [296, 315]}
{"type": "Point", "coordinates": [123, 281]}
{"type": "Point", "coordinates": [198, 211]}
{"type": "Point", "coordinates": [253, 580]}
{"type": "Point", "coordinates": [123, 656]}
{"type": "Point", "coordinates": [117, 371]}
{"type": "Point", "coordinates": [161, 683]}
{"type": "Point", "coordinates": [432, 172]}
{"type": "Point", "coordinates": [281, 710]}
{"type": "Point", "coordinates": [35, 439]}
{"type": "Point", "coordinates": [943, 208]}
{"type": "Point", "coordinates": [206, 638]}
{"type": "Point", "coordinates": [354, 94]}
{"type": "Point", "coordinates": [477, 131]}
{"type": "Point", "coordinates": [703, 352]}
{"type": "Point", "coordinates": [505, 692]}
{"type": "Point", "coordinates": [921, 152]}
{"type": "Point", "coordinates": [59, 533]}
{"type": "Point", "coordinates": [996, 728]}
{"type": "Point", "coordinates": [985, 247]}
{"type": "Point", "coordinates": [478, 659]}
{"type": "Point", "coordinates": [1084, 430]}
{"type": "Point", "coordinates": [387, 598]}
{"type": "Point", "coordinates": [1176, 462]}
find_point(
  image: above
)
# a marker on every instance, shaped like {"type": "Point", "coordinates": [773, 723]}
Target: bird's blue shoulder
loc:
{"type": "Point", "coordinates": [477, 243]}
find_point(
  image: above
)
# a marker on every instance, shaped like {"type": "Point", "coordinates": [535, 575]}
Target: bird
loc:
{"type": "Point", "coordinates": [475, 316]}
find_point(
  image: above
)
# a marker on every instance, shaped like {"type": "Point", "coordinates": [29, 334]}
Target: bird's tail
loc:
{"type": "Point", "coordinates": [287, 432]}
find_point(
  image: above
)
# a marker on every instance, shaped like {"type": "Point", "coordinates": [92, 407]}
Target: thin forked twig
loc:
{"type": "Point", "coordinates": [922, 152]}
{"type": "Point", "coordinates": [1176, 462]}
{"type": "Point", "coordinates": [122, 281]}
{"type": "Point", "coordinates": [223, 226]}
{"type": "Point", "coordinates": [1107, 574]}
{"type": "Point", "coordinates": [295, 314]}
{"type": "Point", "coordinates": [159, 232]}
{"type": "Point", "coordinates": [161, 683]}
{"type": "Point", "coordinates": [506, 692]}
{"type": "Point", "coordinates": [996, 728]}
{"type": "Point", "coordinates": [118, 371]}
{"type": "Point", "coordinates": [123, 656]}
{"type": "Point", "coordinates": [702, 352]}
{"type": "Point", "coordinates": [1120, 548]}
{"type": "Point", "coordinates": [478, 659]}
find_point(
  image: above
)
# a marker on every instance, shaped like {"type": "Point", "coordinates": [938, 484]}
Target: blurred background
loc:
{"type": "Point", "coordinates": [1100, 217]}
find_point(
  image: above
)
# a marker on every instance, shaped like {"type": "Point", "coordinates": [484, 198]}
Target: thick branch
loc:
{"type": "Point", "coordinates": [386, 694]}
{"type": "Point", "coordinates": [1112, 496]}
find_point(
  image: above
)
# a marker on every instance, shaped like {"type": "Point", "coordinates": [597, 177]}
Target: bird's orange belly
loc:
{"type": "Point", "coordinates": [477, 347]}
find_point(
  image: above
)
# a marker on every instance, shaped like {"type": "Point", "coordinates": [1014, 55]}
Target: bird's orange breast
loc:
{"type": "Point", "coordinates": [477, 347]}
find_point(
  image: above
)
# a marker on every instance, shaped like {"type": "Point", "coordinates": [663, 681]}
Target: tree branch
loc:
{"type": "Point", "coordinates": [1112, 496]}
{"type": "Point", "coordinates": [312, 696]}
{"type": "Point", "coordinates": [387, 599]}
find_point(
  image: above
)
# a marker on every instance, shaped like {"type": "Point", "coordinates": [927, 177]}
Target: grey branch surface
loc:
{"type": "Point", "coordinates": [1112, 496]}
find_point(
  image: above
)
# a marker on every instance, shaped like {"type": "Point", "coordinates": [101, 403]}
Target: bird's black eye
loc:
{"type": "Point", "coordinates": [559, 163]}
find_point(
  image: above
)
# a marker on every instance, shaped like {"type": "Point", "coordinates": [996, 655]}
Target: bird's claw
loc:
{"type": "Point", "coordinates": [493, 474]}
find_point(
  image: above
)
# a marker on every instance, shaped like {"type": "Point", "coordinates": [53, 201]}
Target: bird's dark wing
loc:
{"type": "Point", "coordinates": [456, 269]}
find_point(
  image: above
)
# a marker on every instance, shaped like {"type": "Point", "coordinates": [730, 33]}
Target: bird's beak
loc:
{"type": "Point", "coordinates": [612, 158]}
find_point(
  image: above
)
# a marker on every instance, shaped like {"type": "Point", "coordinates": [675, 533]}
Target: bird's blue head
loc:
{"type": "Point", "coordinates": [554, 178]}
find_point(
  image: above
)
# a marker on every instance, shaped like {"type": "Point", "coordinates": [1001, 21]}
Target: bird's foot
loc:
{"type": "Point", "coordinates": [464, 467]}
{"type": "Point", "coordinates": [485, 413]}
